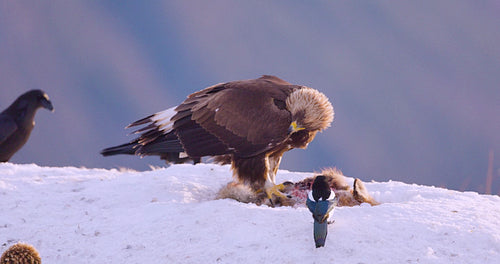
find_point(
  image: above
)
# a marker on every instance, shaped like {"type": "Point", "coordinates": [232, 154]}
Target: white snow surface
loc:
{"type": "Point", "coordinates": [170, 215]}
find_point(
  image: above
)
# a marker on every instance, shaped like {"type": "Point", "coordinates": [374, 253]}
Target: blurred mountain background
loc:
{"type": "Point", "coordinates": [415, 85]}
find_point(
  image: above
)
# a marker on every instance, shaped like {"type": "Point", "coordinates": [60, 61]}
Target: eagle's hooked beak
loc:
{"type": "Point", "coordinates": [294, 127]}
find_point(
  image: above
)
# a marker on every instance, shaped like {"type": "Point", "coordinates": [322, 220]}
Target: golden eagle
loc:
{"type": "Point", "coordinates": [250, 123]}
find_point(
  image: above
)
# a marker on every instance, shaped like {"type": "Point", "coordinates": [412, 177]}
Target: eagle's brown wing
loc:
{"type": "Point", "coordinates": [242, 117]}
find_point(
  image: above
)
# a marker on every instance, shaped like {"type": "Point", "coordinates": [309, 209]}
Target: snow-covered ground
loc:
{"type": "Point", "coordinates": [169, 215]}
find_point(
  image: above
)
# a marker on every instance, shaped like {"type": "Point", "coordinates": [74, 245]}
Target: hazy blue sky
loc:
{"type": "Point", "coordinates": [415, 84]}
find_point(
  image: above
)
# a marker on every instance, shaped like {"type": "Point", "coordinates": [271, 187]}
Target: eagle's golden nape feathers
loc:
{"type": "Point", "coordinates": [312, 107]}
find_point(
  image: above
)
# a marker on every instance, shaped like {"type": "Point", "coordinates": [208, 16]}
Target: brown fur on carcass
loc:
{"type": "Point", "coordinates": [347, 196]}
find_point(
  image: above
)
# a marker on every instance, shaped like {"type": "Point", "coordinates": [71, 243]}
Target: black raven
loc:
{"type": "Point", "coordinates": [17, 121]}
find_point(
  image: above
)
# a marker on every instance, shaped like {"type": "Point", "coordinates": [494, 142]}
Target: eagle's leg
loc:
{"type": "Point", "coordinates": [259, 172]}
{"type": "Point", "coordinates": [270, 186]}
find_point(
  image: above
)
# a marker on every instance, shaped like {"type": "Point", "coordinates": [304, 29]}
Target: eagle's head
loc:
{"type": "Point", "coordinates": [311, 110]}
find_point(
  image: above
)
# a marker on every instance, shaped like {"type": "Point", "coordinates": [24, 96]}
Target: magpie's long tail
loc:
{"type": "Point", "coordinates": [320, 232]}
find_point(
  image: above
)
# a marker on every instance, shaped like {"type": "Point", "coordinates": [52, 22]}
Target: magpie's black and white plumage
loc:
{"type": "Point", "coordinates": [250, 123]}
{"type": "Point", "coordinates": [17, 121]}
{"type": "Point", "coordinates": [321, 201]}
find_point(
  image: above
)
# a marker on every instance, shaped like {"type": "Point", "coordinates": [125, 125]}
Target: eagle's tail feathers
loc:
{"type": "Point", "coordinates": [127, 148]}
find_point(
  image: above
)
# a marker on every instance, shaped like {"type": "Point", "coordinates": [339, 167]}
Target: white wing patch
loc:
{"type": "Point", "coordinates": [162, 119]}
{"type": "Point", "coordinates": [330, 198]}
{"type": "Point", "coordinates": [310, 196]}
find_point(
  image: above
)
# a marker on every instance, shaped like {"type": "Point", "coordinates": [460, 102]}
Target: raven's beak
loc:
{"type": "Point", "coordinates": [47, 104]}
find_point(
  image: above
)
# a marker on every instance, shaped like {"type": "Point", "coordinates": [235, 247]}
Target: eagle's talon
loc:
{"type": "Point", "coordinates": [276, 190]}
